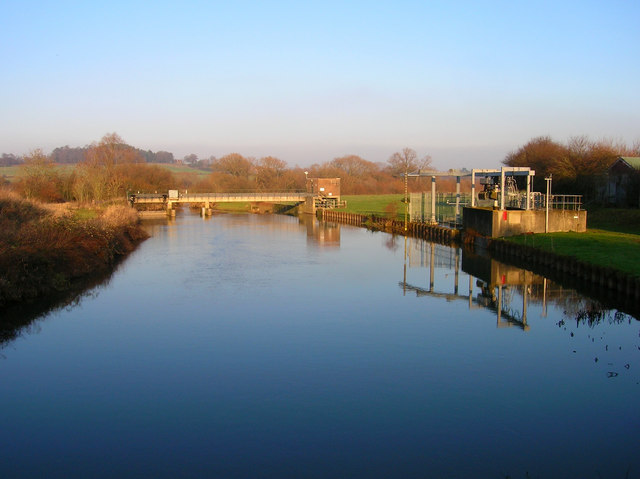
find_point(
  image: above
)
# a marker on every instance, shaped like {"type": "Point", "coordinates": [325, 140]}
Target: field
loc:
{"type": "Point", "coordinates": [380, 205]}
{"type": "Point", "coordinates": [10, 173]}
{"type": "Point", "coordinates": [13, 173]}
{"type": "Point", "coordinates": [182, 169]}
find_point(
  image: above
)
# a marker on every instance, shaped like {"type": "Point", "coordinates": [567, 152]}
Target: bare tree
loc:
{"type": "Point", "coordinates": [233, 164]}
{"type": "Point", "coordinates": [39, 179]}
{"type": "Point", "coordinates": [407, 161]}
{"type": "Point", "coordinates": [270, 172]}
{"type": "Point", "coordinates": [100, 178]}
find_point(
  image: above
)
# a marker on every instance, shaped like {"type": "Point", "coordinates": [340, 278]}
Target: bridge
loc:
{"type": "Point", "coordinates": [173, 197]}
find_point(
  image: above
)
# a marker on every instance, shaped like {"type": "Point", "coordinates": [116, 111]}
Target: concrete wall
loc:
{"type": "Point", "coordinates": [495, 223]}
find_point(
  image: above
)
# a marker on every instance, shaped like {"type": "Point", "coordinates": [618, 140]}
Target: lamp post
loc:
{"type": "Point", "coordinates": [406, 199]}
{"type": "Point", "coordinates": [546, 217]}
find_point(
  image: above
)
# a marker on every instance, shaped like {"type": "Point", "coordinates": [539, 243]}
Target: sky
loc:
{"type": "Point", "coordinates": [465, 82]}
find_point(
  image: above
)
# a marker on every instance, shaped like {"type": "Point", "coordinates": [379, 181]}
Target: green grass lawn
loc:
{"type": "Point", "coordinates": [14, 173]}
{"type": "Point", "coordinates": [380, 205]}
{"type": "Point", "coordinates": [178, 169]}
{"type": "Point", "coordinates": [605, 248]}
{"type": "Point", "coordinates": [232, 207]}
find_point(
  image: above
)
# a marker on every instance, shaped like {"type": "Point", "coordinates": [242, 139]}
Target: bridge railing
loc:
{"type": "Point", "coordinates": [242, 192]}
{"type": "Point", "coordinates": [187, 197]}
{"type": "Point", "coordinates": [253, 195]}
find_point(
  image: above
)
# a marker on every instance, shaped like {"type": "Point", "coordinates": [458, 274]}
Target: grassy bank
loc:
{"type": "Point", "coordinates": [620, 251]}
{"type": "Point", "coordinates": [44, 250]}
{"type": "Point", "coordinates": [379, 205]}
{"type": "Point", "coordinates": [612, 240]}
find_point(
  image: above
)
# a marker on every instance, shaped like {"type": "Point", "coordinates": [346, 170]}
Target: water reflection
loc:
{"type": "Point", "coordinates": [239, 347]}
{"type": "Point", "coordinates": [18, 319]}
{"type": "Point", "coordinates": [506, 290]}
{"type": "Point", "coordinates": [320, 233]}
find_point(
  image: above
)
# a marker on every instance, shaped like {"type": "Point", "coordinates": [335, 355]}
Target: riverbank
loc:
{"type": "Point", "coordinates": [607, 249]}
{"type": "Point", "coordinates": [602, 263]}
{"type": "Point", "coordinates": [612, 239]}
{"type": "Point", "coordinates": [49, 249]}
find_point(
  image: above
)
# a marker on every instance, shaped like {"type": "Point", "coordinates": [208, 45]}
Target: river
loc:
{"type": "Point", "coordinates": [259, 346]}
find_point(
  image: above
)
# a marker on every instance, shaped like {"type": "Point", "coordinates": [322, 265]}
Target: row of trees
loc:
{"type": "Point", "coordinates": [358, 176]}
{"type": "Point", "coordinates": [68, 155]}
{"type": "Point", "coordinates": [577, 166]}
{"type": "Point", "coordinates": [110, 167]}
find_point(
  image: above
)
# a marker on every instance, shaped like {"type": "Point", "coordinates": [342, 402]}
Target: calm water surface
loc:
{"type": "Point", "coordinates": [249, 346]}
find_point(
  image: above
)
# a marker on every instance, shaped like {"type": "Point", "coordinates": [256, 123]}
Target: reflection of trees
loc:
{"type": "Point", "coordinates": [25, 317]}
{"type": "Point", "coordinates": [391, 243]}
{"type": "Point", "coordinates": [591, 313]}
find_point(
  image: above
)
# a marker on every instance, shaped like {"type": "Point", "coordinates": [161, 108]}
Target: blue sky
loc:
{"type": "Point", "coordinates": [465, 82]}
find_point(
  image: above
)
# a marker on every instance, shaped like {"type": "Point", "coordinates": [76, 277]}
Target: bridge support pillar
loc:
{"type": "Point", "coordinates": [171, 212]}
{"type": "Point", "coordinates": [206, 209]}
{"type": "Point", "coordinates": [310, 205]}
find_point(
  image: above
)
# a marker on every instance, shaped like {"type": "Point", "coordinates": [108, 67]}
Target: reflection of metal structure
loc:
{"type": "Point", "coordinates": [498, 284]}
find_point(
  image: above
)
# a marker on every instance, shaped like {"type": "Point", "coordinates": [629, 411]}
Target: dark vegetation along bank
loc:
{"type": "Point", "coordinates": [46, 250]}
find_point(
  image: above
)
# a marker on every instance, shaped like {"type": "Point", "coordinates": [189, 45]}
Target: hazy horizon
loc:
{"type": "Point", "coordinates": [464, 82]}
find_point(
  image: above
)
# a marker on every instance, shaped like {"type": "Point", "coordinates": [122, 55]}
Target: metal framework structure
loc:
{"type": "Point", "coordinates": [503, 173]}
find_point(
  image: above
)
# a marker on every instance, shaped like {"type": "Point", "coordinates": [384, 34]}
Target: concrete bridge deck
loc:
{"type": "Point", "coordinates": [168, 200]}
{"type": "Point", "coordinates": [286, 196]}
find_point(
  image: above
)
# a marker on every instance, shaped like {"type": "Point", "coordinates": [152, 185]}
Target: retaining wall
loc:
{"type": "Point", "coordinates": [418, 230]}
{"type": "Point", "coordinates": [498, 223]}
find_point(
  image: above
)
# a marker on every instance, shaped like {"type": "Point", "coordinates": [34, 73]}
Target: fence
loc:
{"type": "Point", "coordinates": [537, 201]}
{"type": "Point", "coordinates": [420, 207]}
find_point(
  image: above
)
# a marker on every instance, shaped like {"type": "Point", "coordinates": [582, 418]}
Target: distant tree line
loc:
{"type": "Point", "coordinates": [111, 167]}
{"type": "Point", "coordinates": [9, 159]}
{"type": "Point", "coordinates": [66, 155]}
